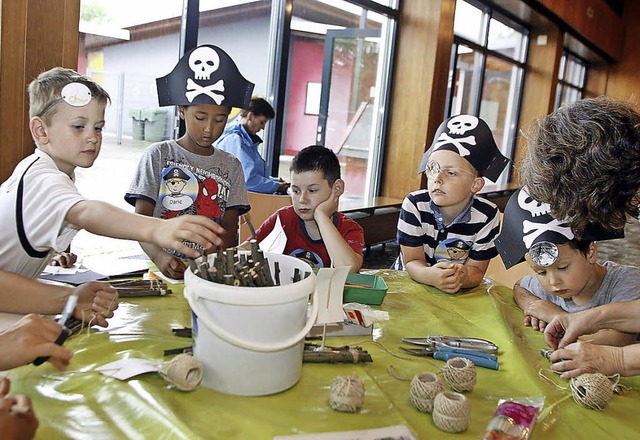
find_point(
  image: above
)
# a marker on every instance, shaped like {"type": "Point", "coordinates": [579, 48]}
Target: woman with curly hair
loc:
{"type": "Point", "coordinates": [584, 160]}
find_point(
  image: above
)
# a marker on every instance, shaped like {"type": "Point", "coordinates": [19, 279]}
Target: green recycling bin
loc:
{"type": "Point", "coordinates": [137, 124]}
{"type": "Point", "coordinates": [155, 121]}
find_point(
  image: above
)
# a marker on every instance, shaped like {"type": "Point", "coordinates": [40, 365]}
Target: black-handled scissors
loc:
{"type": "Point", "coordinates": [67, 314]}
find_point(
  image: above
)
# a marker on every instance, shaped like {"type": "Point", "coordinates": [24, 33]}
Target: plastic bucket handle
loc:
{"type": "Point", "coordinates": [231, 339]}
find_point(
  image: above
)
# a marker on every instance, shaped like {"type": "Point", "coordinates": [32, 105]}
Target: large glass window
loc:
{"type": "Point", "coordinates": [337, 85]}
{"type": "Point", "coordinates": [487, 70]}
{"type": "Point", "coordinates": [572, 77]}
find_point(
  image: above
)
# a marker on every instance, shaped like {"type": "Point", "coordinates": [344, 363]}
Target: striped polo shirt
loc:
{"type": "Point", "coordinates": [470, 235]}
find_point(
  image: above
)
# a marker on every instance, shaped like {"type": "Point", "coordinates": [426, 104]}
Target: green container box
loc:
{"type": "Point", "coordinates": [355, 290]}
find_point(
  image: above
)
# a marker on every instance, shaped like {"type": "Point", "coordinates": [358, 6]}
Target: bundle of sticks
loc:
{"type": "Point", "coordinates": [237, 269]}
{"type": "Point", "coordinates": [140, 288]}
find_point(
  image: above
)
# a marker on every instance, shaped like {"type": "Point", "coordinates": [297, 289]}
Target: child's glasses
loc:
{"type": "Point", "coordinates": [433, 168]}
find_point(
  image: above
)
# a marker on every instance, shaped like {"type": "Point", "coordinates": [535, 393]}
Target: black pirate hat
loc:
{"type": "Point", "coordinates": [471, 138]}
{"type": "Point", "coordinates": [205, 75]}
{"type": "Point", "coordinates": [528, 226]}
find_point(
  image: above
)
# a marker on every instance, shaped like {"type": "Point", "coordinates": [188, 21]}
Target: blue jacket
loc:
{"type": "Point", "coordinates": [238, 142]}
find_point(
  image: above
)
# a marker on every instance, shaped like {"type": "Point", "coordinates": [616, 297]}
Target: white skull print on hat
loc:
{"type": "Point", "coordinates": [529, 226]}
{"type": "Point", "coordinates": [205, 75]}
{"type": "Point", "coordinates": [471, 138]}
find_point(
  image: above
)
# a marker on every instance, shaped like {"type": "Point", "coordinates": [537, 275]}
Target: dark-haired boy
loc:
{"type": "Point", "coordinates": [315, 230]}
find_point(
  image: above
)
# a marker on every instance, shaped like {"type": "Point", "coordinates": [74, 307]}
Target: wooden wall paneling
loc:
{"type": "Point", "coordinates": [36, 35]}
{"type": "Point", "coordinates": [541, 79]}
{"type": "Point", "coordinates": [423, 50]}
{"type": "Point", "coordinates": [12, 84]}
{"type": "Point", "coordinates": [597, 77]}
{"type": "Point", "coordinates": [623, 81]}
{"type": "Point", "coordinates": [593, 19]}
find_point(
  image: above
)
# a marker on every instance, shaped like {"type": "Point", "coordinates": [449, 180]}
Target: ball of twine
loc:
{"type": "Point", "coordinates": [460, 374]}
{"type": "Point", "coordinates": [592, 390]}
{"type": "Point", "coordinates": [424, 388]}
{"type": "Point", "coordinates": [451, 412]}
{"type": "Point", "coordinates": [184, 372]}
{"type": "Point", "coordinates": [347, 393]}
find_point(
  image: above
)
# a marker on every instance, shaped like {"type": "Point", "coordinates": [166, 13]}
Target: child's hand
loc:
{"type": "Point", "coordinates": [32, 337]}
{"type": "Point", "coordinates": [448, 276]}
{"type": "Point", "coordinates": [170, 265]}
{"type": "Point", "coordinates": [64, 259]}
{"type": "Point", "coordinates": [535, 323]}
{"type": "Point", "coordinates": [96, 302]}
{"type": "Point", "coordinates": [329, 206]}
{"type": "Point", "coordinates": [17, 419]}
{"type": "Point", "coordinates": [194, 228]}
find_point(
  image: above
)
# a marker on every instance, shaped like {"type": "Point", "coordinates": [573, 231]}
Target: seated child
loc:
{"type": "Point", "coordinates": [190, 176]}
{"type": "Point", "coordinates": [315, 230]}
{"type": "Point", "coordinates": [446, 232]}
{"type": "Point", "coordinates": [568, 277]}
{"type": "Point", "coordinates": [41, 209]}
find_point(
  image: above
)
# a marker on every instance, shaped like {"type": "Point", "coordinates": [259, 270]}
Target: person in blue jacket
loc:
{"type": "Point", "coordinates": [240, 139]}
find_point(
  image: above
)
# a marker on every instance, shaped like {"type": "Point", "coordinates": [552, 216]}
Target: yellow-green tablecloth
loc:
{"type": "Point", "coordinates": [83, 404]}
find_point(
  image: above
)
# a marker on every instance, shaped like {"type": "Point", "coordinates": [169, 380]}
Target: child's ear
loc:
{"type": "Point", "coordinates": [38, 130]}
{"type": "Point", "coordinates": [181, 111]}
{"type": "Point", "coordinates": [592, 255]}
{"type": "Point", "coordinates": [477, 185]}
{"type": "Point", "coordinates": [338, 185]}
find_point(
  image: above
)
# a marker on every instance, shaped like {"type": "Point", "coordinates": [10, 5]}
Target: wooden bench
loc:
{"type": "Point", "coordinates": [377, 216]}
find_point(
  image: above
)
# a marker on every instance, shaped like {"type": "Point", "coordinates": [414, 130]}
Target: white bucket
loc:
{"type": "Point", "coordinates": [250, 340]}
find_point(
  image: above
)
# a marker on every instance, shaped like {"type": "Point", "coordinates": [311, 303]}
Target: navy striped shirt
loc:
{"type": "Point", "coordinates": [470, 235]}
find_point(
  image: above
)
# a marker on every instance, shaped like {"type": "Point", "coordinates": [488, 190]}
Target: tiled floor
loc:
{"type": "Point", "coordinates": [109, 178]}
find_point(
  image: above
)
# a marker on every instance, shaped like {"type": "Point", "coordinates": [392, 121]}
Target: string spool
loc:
{"type": "Point", "coordinates": [424, 388]}
{"type": "Point", "coordinates": [184, 372]}
{"type": "Point", "coordinates": [347, 393]}
{"type": "Point", "coordinates": [592, 390]}
{"type": "Point", "coordinates": [451, 412]}
{"type": "Point", "coordinates": [460, 374]}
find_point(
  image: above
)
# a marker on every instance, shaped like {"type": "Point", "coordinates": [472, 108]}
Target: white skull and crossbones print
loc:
{"type": "Point", "coordinates": [204, 61]}
{"type": "Point", "coordinates": [458, 125]}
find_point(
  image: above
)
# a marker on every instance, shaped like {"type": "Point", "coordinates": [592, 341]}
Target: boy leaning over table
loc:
{"type": "Point", "coordinates": [567, 276]}
{"type": "Point", "coordinates": [41, 209]}
{"type": "Point", "coordinates": [446, 233]}
{"type": "Point", "coordinates": [316, 232]}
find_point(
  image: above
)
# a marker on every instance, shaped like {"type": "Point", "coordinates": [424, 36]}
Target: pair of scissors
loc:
{"type": "Point", "coordinates": [474, 344]}
{"type": "Point", "coordinates": [67, 314]}
{"type": "Point", "coordinates": [441, 351]}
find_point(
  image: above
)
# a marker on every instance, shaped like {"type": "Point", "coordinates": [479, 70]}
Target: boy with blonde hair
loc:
{"type": "Point", "coordinates": [41, 209]}
{"type": "Point", "coordinates": [446, 232]}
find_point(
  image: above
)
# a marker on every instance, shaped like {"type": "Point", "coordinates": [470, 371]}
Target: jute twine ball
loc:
{"type": "Point", "coordinates": [347, 393]}
{"type": "Point", "coordinates": [184, 372]}
{"type": "Point", "coordinates": [451, 412]}
{"type": "Point", "coordinates": [424, 388]}
{"type": "Point", "coordinates": [592, 390]}
{"type": "Point", "coordinates": [460, 374]}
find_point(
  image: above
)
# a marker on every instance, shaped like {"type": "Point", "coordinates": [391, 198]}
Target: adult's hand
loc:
{"type": "Point", "coordinates": [567, 328]}
{"type": "Point", "coordinates": [582, 357]}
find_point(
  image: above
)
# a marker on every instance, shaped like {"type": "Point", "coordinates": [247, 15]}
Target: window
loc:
{"type": "Point", "coordinates": [487, 70]}
{"type": "Point", "coordinates": [572, 76]}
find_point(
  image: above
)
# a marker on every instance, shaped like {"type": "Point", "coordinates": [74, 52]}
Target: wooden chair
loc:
{"type": "Point", "coordinates": [262, 206]}
{"type": "Point", "coordinates": [498, 273]}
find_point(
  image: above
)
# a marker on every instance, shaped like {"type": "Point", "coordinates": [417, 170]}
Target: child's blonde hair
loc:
{"type": "Point", "coordinates": [44, 91]}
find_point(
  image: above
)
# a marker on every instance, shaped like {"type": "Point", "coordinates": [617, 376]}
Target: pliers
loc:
{"type": "Point", "coordinates": [441, 347]}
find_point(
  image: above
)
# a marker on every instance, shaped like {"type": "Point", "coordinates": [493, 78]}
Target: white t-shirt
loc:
{"type": "Point", "coordinates": [34, 202]}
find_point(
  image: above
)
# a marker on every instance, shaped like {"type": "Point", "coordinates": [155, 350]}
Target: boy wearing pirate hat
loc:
{"type": "Point", "coordinates": [448, 214]}
{"type": "Point", "coordinates": [189, 175]}
{"type": "Point", "coordinates": [40, 205]}
{"type": "Point", "coordinates": [567, 276]}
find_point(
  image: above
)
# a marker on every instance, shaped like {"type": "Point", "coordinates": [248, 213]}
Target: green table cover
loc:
{"type": "Point", "coordinates": [83, 404]}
